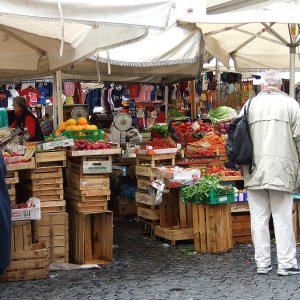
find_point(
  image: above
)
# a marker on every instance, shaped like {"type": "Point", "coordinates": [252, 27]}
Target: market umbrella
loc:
{"type": "Point", "coordinates": [65, 31]}
{"type": "Point", "coordinates": [255, 39]}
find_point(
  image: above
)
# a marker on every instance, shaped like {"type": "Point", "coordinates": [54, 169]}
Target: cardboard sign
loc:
{"type": "Point", "coordinates": [54, 144]}
{"type": "Point", "coordinates": [195, 126]}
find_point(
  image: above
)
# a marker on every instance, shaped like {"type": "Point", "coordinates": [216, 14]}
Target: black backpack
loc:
{"type": "Point", "coordinates": [239, 147]}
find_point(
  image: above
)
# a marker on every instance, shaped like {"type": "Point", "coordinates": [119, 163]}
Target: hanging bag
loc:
{"type": "Point", "coordinates": [239, 147]}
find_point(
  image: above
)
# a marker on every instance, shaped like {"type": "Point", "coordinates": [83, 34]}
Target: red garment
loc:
{"type": "Point", "coordinates": [29, 124]}
{"type": "Point", "coordinates": [161, 118]}
{"type": "Point", "coordinates": [133, 90]}
{"type": "Point", "coordinates": [31, 95]}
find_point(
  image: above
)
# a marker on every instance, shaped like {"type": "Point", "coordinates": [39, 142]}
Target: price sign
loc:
{"type": "Point", "coordinates": [195, 126]}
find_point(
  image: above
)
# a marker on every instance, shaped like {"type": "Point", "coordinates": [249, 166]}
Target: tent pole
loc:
{"type": "Point", "coordinates": [166, 100]}
{"type": "Point", "coordinates": [58, 95]}
{"type": "Point", "coordinates": [292, 71]}
{"type": "Point", "coordinates": [193, 100]}
{"type": "Point", "coordinates": [54, 104]}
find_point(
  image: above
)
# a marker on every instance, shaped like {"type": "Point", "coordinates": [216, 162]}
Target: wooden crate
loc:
{"type": "Point", "coordinates": [147, 226]}
{"type": "Point", "coordinates": [86, 182]}
{"type": "Point", "coordinates": [91, 165]}
{"type": "Point", "coordinates": [87, 195]}
{"type": "Point", "coordinates": [174, 214]}
{"type": "Point", "coordinates": [28, 265]}
{"type": "Point", "coordinates": [144, 198]}
{"type": "Point", "coordinates": [241, 228]}
{"type": "Point", "coordinates": [91, 237]}
{"type": "Point", "coordinates": [41, 174]}
{"type": "Point", "coordinates": [56, 185]}
{"type": "Point", "coordinates": [143, 183]}
{"type": "Point", "coordinates": [46, 159]}
{"type": "Point", "coordinates": [124, 207]}
{"type": "Point", "coordinates": [88, 207]}
{"type": "Point", "coordinates": [12, 193]}
{"type": "Point", "coordinates": [212, 227]}
{"type": "Point", "coordinates": [53, 206]}
{"type": "Point", "coordinates": [156, 160]}
{"type": "Point", "coordinates": [12, 177]}
{"type": "Point", "coordinates": [44, 195]}
{"type": "Point", "coordinates": [174, 235]}
{"type": "Point", "coordinates": [148, 213]}
{"type": "Point", "coordinates": [146, 171]}
{"type": "Point", "coordinates": [22, 166]}
{"type": "Point", "coordinates": [52, 230]}
{"type": "Point", "coordinates": [21, 236]}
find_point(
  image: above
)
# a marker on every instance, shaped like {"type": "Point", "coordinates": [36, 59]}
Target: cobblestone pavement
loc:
{"type": "Point", "coordinates": [151, 269]}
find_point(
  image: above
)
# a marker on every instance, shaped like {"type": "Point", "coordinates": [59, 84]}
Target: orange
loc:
{"type": "Point", "coordinates": [70, 122]}
{"type": "Point", "coordinates": [86, 127]}
{"type": "Point", "coordinates": [79, 127]}
{"type": "Point", "coordinates": [62, 126]}
{"type": "Point", "coordinates": [93, 127]}
{"type": "Point", "coordinates": [82, 121]}
{"type": "Point", "coordinates": [57, 132]}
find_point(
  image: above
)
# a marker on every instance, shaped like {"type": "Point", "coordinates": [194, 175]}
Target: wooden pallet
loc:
{"type": "Point", "coordinates": [173, 235]}
{"type": "Point", "coordinates": [241, 228]}
{"type": "Point", "coordinates": [88, 207]}
{"type": "Point", "coordinates": [48, 159]}
{"type": "Point", "coordinates": [12, 177]}
{"type": "Point", "coordinates": [53, 206]}
{"type": "Point", "coordinates": [156, 160]}
{"type": "Point", "coordinates": [212, 228]}
{"type": "Point", "coordinates": [52, 229]}
{"type": "Point", "coordinates": [91, 237]}
{"type": "Point", "coordinates": [87, 182]}
{"type": "Point", "coordinates": [28, 265]}
{"type": "Point", "coordinates": [87, 195]}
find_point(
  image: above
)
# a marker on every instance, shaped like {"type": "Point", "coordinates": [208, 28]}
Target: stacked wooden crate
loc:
{"type": "Point", "coordinates": [146, 171]}
{"type": "Point", "coordinates": [11, 179]}
{"type": "Point", "coordinates": [87, 194]}
{"type": "Point", "coordinates": [45, 182]}
{"type": "Point", "coordinates": [28, 261]}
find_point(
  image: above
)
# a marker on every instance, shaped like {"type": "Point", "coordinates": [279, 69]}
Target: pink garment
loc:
{"type": "Point", "coordinates": [69, 88]}
{"type": "Point", "coordinates": [148, 92]}
{"type": "Point", "coordinates": [142, 94]}
{"type": "Point", "coordinates": [112, 107]}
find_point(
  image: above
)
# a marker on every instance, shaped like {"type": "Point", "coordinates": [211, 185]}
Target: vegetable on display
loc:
{"type": "Point", "coordinates": [222, 113]}
{"type": "Point", "coordinates": [161, 129]}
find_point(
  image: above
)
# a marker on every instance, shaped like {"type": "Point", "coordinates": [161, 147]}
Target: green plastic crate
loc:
{"type": "Point", "coordinates": [90, 135]}
{"type": "Point", "coordinates": [214, 198]}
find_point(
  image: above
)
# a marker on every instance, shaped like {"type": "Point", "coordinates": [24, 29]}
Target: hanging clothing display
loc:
{"type": "Point", "coordinates": [142, 93]}
{"type": "Point", "coordinates": [43, 93]}
{"type": "Point", "coordinates": [154, 93]}
{"type": "Point", "coordinates": [148, 92]}
{"type": "Point", "coordinates": [32, 95]}
{"type": "Point", "coordinates": [133, 90]}
{"type": "Point", "coordinates": [69, 90]}
{"type": "Point", "coordinates": [116, 96]}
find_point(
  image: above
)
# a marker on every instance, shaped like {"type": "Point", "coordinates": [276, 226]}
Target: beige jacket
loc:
{"type": "Point", "coordinates": [274, 120]}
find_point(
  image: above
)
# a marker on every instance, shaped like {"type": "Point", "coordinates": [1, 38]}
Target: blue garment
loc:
{"type": "Point", "coordinates": [44, 92]}
{"type": "Point", "coordinates": [153, 95]}
{"type": "Point", "coordinates": [93, 99]}
{"type": "Point", "coordinates": [5, 219]}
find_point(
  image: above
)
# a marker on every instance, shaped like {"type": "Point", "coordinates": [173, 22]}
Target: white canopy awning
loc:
{"type": "Point", "coordinates": [66, 31]}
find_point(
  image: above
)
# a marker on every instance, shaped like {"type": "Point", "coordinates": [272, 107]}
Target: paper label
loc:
{"type": "Point", "coordinates": [224, 198]}
{"type": "Point", "coordinates": [97, 167]}
{"type": "Point", "coordinates": [205, 144]}
{"type": "Point", "coordinates": [61, 143]}
{"type": "Point", "coordinates": [195, 126]}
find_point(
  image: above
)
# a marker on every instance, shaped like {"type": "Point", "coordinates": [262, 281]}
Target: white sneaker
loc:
{"type": "Point", "coordinates": [264, 270]}
{"type": "Point", "coordinates": [290, 271]}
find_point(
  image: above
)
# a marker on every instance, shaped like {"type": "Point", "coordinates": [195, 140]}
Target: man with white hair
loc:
{"type": "Point", "coordinates": [274, 120]}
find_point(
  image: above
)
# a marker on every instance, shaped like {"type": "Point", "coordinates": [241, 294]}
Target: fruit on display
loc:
{"type": "Point", "coordinates": [158, 143]}
{"type": "Point", "coordinates": [223, 127]}
{"type": "Point", "coordinates": [222, 171]}
{"type": "Point", "coordinates": [73, 125]}
{"type": "Point", "coordinates": [212, 139]}
{"type": "Point", "coordinates": [200, 153]}
{"type": "Point", "coordinates": [81, 145]}
{"type": "Point", "coordinates": [182, 128]}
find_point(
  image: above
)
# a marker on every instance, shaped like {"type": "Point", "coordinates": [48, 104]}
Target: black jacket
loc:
{"type": "Point", "coordinates": [20, 122]}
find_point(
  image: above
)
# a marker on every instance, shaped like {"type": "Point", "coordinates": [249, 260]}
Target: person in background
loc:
{"type": "Point", "coordinates": [161, 117]}
{"type": "Point", "coordinates": [274, 121]}
{"type": "Point", "coordinates": [25, 119]}
{"type": "Point", "coordinates": [5, 219]}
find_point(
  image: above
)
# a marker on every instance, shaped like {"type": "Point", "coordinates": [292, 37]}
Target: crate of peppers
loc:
{"type": "Point", "coordinates": [208, 191]}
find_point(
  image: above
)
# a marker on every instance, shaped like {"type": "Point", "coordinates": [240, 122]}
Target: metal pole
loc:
{"type": "Point", "coordinates": [193, 100]}
{"type": "Point", "coordinates": [58, 95]}
{"type": "Point", "coordinates": [54, 104]}
{"type": "Point", "coordinates": [166, 100]}
{"type": "Point", "coordinates": [292, 71]}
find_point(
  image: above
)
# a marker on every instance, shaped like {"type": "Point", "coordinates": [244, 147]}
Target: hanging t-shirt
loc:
{"type": "Point", "coordinates": [142, 94]}
{"type": "Point", "coordinates": [134, 90]}
{"type": "Point", "coordinates": [153, 96]}
{"type": "Point", "coordinates": [148, 92]}
{"type": "Point", "coordinates": [116, 96]}
{"type": "Point", "coordinates": [43, 92]}
{"type": "Point", "coordinates": [31, 95]}
{"type": "Point", "coordinates": [13, 93]}
{"type": "Point", "coordinates": [4, 95]}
